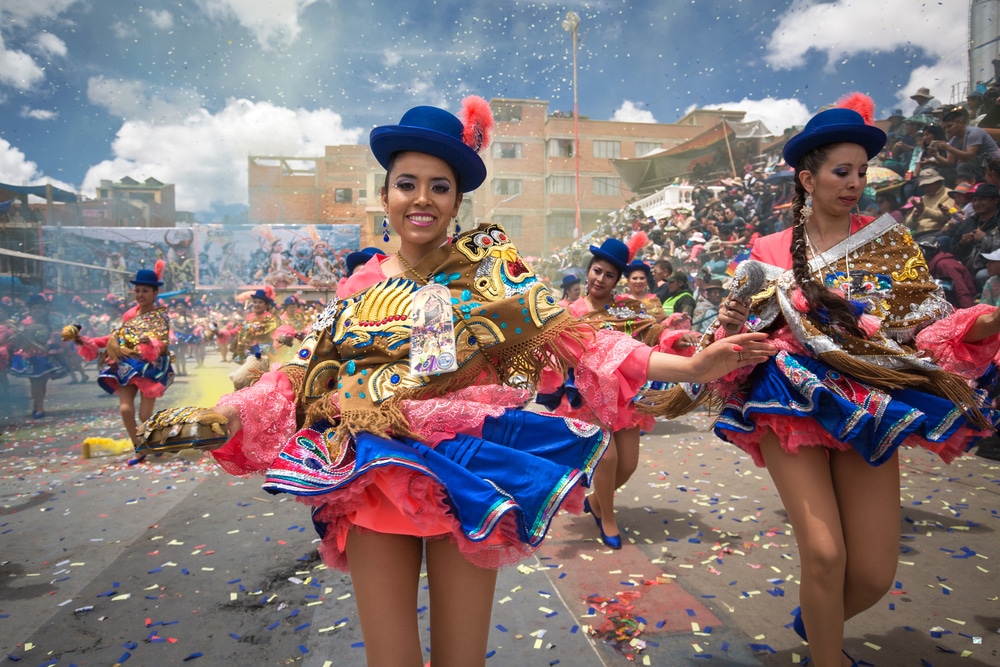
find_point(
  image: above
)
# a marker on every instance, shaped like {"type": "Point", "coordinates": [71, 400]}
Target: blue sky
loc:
{"type": "Point", "coordinates": [184, 90]}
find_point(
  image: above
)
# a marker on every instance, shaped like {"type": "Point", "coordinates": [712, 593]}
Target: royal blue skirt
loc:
{"type": "Point", "coordinates": [152, 377]}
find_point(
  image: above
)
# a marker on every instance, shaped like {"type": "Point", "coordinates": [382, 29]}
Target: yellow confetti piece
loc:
{"type": "Point", "coordinates": [196, 552]}
{"type": "Point", "coordinates": [515, 589]}
{"type": "Point", "coordinates": [314, 603]}
{"type": "Point", "coordinates": [874, 647]}
{"type": "Point", "coordinates": [796, 659]}
{"type": "Point", "coordinates": [614, 571]}
{"type": "Point", "coordinates": [545, 610]}
{"type": "Point", "coordinates": [344, 596]}
{"type": "Point", "coordinates": [759, 638]}
{"type": "Point", "coordinates": [208, 569]}
{"type": "Point", "coordinates": [538, 643]}
{"type": "Point", "coordinates": [695, 627]}
{"type": "Point", "coordinates": [505, 600]}
{"type": "Point", "coordinates": [966, 653]}
{"type": "Point", "coordinates": [81, 564]}
{"type": "Point", "coordinates": [233, 532]}
{"type": "Point", "coordinates": [123, 596]}
{"type": "Point", "coordinates": [149, 588]}
{"type": "Point", "coordinates": [233, 596]}
{"type": "Point", "coordinates": [174, 543]}
{"type": "Point", "coordinates": [28, 646]}
{"type": "Point", "coordinates": [155, 537]}
{"type": "Point", "coordinates": [697, 649]}
{"type": "Point", "coordinates": [645, 660]}
{"type": "Point", "coordinates": [906, 562]}
{"type": "Point", "coordinates": [586, 557]}
{"type": "Point", "coordinates": [955, 620]}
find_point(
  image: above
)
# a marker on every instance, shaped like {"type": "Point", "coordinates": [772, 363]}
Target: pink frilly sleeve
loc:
{"type": "Point", "coordinates": [610, 372]}
{"type": "Point", "coordinates": [668, 342]}
{"type": "Point", "coordinates": [267, 411]}
{"type": "Point", "coordinates": [944, 339]}
{"type": "Point", "coordinates": [285, 330]}
{"type": "Point", "coordinates": [152, 350]}
{"type": "Point", "coordinates": [89, 348]}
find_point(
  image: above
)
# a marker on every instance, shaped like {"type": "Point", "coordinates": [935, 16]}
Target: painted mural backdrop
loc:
{"type": "Point", "coordinates": [205, 257]}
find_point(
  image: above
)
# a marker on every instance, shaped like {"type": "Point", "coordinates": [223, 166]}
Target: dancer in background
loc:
{"type": "Point", "coordinates": [37, 352]}
{"type": "Point", "coordinates": [606, 311]}
{"type": "Point", "coordinates": [852, 306]}
{"type": "Point", "coordinates": [136, 353]}
{"type": "Point", "coordinates": [398, 466]}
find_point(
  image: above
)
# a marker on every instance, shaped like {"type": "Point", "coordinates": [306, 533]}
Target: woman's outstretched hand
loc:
{"type": "Point", "coordinates": [234, 423]}
{"type": "Point", "coordinates": [726, 355]}
{"type": "Point", "coordinates": [718, 359]}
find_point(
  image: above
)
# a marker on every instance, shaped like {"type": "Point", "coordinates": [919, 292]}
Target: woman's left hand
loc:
{"type": "Point", "coordinates": [733, 314]}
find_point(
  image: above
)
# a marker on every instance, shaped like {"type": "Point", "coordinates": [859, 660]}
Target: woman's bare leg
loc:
{"type": "Point", "coordinates": [38, 388]}
{"type": "Point", "coordinates": [627, 444]}
{"type": "Point", "coordinates": [805, 483]}
{"type": "Point", "coordinates": [461, 596]}
{"type": "Point", "coordinates": [869, 513]}
{"type": "Point", "coordinates": [385, 570]}
{"type": "Point", "coordinates": [602, 497]}
{"type": "Point", "coordinates": [126, 408]}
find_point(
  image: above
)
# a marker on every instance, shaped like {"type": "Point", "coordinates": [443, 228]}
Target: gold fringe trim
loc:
{"type": "Point", "coordinates": [675, 402]}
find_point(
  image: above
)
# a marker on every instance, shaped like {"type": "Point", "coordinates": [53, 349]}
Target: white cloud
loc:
{"type": "Point", "coordinates": [161, 18]}
{"type": "Point", "coordinates": [15, 169]}
{"type": "Point", "coordinates": [39, 114]}
{"type": "Point", "coordinates": [777, 115]}
{"type": "Point", "coordinates": [123, 31]}
{"type": "Point", "coordinates": [391, 57]}
{"type": "Point", "coordinates": [18, 69]}
{"type": "Point", "coordinates": [51, 45]}
{"type": "Point", "coordinates": [29, 10]}
{"type": "Point", "coordinates": [628, 112]}
{"type": "Point", "coordinates": [275, 23]}
{"type": "Point", "coordinates": [205, 155]}
{"type": "Point", "coordinates": [848, 28]}
{"type": "Point", "coordinates": [133, 100]}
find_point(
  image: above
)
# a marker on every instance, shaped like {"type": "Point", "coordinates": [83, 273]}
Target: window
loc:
{"type": "Point", "coordinates": [506, 186]}
{"type": "Point", "coordinates": [646, 147]}
{"type": "Point", "coordinates": [560, 147]}
{"type": "Point", "coordinates": [507, 113]}
{"type": "Point", "coordinates": [507, 150]}
{"type": "Point", "coordinates": [562, 225]}
{"type": "Point", "coordinates": [362, 194]}
{"type": "Point", "coordinates": [607, 185]}
{"type": "Point", "coordinates": [342, 195]}
{"type": "Point", "coordinates": [607, 149]}
{"type": "Point", "coordinates": [562, 185]}
{"type": "Point", "coordinates": [511, 223]}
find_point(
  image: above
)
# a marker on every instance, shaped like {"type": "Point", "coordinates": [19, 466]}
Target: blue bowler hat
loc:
{"type": "Point", "coordinates": [639, 265]}
{"type": "Point", "coordinates": [834, 126]}
{"type": "Point", "coordinates": [262, 295]}
{"type": "Point", "coordinates": [435, 132]}
{"type": "Point", "coordinates": [568, 281]}
{"type": "Point", "coordinates": [359, 257]}
{"type": "Point", "coordinates": [614, 252]}
{"type": "Point", "coordinates": [146, 277]}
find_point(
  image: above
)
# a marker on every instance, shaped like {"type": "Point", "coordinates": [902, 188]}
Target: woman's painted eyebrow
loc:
{"type": "Point", "coordinates": [433, 178]}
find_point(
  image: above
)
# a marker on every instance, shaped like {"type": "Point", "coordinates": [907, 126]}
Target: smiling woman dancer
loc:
{"type": "Point", "coordinates": [857, 318]}
{"type": "Point", "coordinates": [399, 465]}
{"type": "Point", "coordinates": [136, 353]}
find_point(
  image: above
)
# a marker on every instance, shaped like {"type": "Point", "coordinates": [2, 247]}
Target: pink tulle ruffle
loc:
{"type": "Point", "coordinates": [944, 340]}
{"type": "Point", "coordinates": [796, 432]}
{"type": "Point", "coordinates": [267, 413]}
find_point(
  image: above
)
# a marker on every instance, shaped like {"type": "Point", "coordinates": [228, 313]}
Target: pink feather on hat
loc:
{"type": "Point", "coordinates": [477, 122]}
{"type": "Point", "coordinates": [861, 103]}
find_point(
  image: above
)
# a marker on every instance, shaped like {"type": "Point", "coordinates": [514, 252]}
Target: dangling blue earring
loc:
{"type": "Point", "coordinates": [385, 229]}
{"type": "Point", "coordinates": [458, 229]}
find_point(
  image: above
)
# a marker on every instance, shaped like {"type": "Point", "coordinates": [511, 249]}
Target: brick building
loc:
{"type": "Point", "coordinates": [530, 188]}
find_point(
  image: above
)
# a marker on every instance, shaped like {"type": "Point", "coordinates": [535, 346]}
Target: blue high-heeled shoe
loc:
{"type": "Point", "coordinates": [800, 630]}
{"type": "Point", "coordinates": [611, 541]}
{"type": "Point", "coordinates": [797, 624]}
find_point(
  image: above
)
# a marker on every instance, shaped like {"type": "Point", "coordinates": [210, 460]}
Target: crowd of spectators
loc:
{"type": "Point", "coordinates": [938, 174]}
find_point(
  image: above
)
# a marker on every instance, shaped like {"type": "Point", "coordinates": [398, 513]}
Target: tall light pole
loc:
{"type": "Point", "coordinates": [570, 24]}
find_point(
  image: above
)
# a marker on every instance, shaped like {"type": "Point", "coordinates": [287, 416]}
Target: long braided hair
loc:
{"type": "Point", "coordinates": [822, 302]}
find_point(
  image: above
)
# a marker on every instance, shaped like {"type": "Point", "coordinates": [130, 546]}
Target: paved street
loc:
{"type": "Point", "coordinates": [173, 561]}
